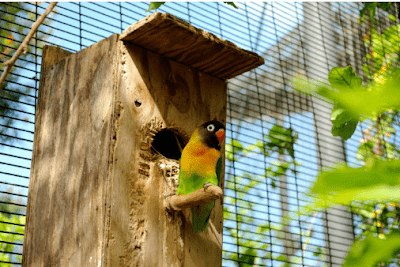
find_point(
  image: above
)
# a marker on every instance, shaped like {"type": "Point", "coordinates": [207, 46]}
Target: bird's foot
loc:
{"type": "Point", "coordinates": [170, 194]}
{"type": "Point", "coordinates": [206, 185]}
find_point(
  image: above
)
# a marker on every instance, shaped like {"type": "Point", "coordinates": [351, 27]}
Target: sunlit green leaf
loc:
{"type": "Point", "coordinates": [232, 150]}
{"type": "Point", "coordinates": [379, 182]}
{"type": "Point", "coordinates": [154, 5]}
{"type": "Point", "coordinates": [237, 146]}
{"type": "Point", "coordinates": [360, 102]}
{"type": "Point", "coordinates": [308, 86]}
{"type": "Point", "coordinates": [367, 214]}
{"type": "Point", "coordinates": [345, 130]}
{"type": "Point", "coordinates": [282, 258]}
{"type": "Point", "coordinates": [343, 123]}
{"type": "Point", "coordinates": [344, 79]}
{"type": "Point", "coordinates": [372, 250]}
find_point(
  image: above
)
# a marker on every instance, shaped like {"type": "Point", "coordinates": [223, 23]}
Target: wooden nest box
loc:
{"type": "Point", "coordinates": [109, 124]}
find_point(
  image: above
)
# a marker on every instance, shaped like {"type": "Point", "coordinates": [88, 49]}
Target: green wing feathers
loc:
{"type": "Point", "coordinates": [200, 216]}
{"type": "Point", "coordinates": [190, 182]}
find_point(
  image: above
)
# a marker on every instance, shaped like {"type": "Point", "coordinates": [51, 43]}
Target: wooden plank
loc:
{"type": "Point", "coordinates": [67, 207]}
{"type": "Point", "coordinates": [176, 39]}
{"type": "Point", "coordinates": [53, 54]}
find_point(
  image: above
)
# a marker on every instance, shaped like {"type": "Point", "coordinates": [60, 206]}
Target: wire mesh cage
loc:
{"type": "Point", "coordinates": [277, 139]}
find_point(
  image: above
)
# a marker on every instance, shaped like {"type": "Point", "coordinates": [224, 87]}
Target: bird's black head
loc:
{"type": "Point", "coordinates": [212, 134]}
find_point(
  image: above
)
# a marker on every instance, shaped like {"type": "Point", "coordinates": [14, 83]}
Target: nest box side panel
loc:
{"type": "Point", "coordinates": [67, 210]}
{"type": "Point", "coordinates": [183, 96]}
{"type": "Point", "coordinates": [158, 93]}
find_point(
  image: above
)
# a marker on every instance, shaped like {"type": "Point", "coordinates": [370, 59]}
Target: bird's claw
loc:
{"type": "Point", "coordinates": [206, 185]}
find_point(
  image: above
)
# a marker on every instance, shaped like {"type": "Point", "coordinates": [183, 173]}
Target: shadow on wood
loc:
{"type": "Point", "coordinates": [96, 191]}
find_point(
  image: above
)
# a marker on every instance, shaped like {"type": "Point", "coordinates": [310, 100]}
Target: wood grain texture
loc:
{"type": "Point", "coordinates": [70, 163]}
{"type": "Point", "coordinates": [174, 96]}
{"type": "Point", "coordinates": [96, 193]}
{"type": "Point", "coordinates": [176, 39]}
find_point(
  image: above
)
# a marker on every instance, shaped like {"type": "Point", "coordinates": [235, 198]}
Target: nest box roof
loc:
{"type": "Point", "coordinates": [176, 39]}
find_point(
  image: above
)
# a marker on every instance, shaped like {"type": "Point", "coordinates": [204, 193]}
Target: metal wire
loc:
{"type": "Point", "coordinates": [284, 34]}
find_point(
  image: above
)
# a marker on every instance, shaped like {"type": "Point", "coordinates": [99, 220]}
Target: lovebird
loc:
{"type": "Point", "coordinates": [201, 166]}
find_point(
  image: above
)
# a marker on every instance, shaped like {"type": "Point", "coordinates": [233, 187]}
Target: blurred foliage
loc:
{"type": "Point", "coordinates": [351, 99]}
{"type": "Point", "coordinates": [248, 234]}
{"type": "Point", "coordinates": [154, 5]}
{"type": "Point", "coordinates": [373, 190]}
{"type": "Point", "coordinates": [16, 19]}
{"type": "Point", "coordinates": [373, 249]}
{"type": "Point", "coordinates": [11, 229]}
{"type": "Point", "coordinates": [371, 7]}
{"type": "Point", "coordinates": [378, 181]}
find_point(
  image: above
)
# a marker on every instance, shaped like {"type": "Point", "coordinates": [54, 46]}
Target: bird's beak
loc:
{"type": "Point", "coordinates": [220, 135]}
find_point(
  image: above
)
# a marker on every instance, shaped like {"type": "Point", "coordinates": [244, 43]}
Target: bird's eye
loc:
{"type": "Point", "coordinates": [210, 127]}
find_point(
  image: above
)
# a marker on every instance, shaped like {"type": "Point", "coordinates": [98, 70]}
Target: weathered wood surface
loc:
{"type": "Point", "coordinates": [176, 39]}
{"type": "Point", "coordinates": [67, 204]}
{"type": "Point", "coordinates": [51, 55]}
{"type": "Point", "coordinates": [175, 96]}
{"type": "Point", "coordinates": [96, 193]}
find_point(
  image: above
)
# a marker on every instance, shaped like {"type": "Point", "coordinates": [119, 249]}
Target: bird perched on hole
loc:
{"type": "Point", "coordinates": [201, 166]}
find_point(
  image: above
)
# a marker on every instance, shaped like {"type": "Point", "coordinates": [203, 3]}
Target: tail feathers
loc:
{"type": "Point", "coordinates": [200, 216]}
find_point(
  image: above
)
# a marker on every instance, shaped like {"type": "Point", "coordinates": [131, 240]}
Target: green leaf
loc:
{"type": "Point", "coordinates": [154, 5]}
{"type": "Point", "coordinates": [371, 6]}
{"type": "Point", "coordinates": [385, 5]}
{"type": "Point", "coordinates": [391, 17]}
{"type": "Point", "coordinates": [367, 214]}
{"type": "Point", "coordinates": [362, 11]}
{"type": "Point", "coordinates": [344, 78]}
{"type": "Point", "coordinates": [282, 258]}
{"type": "Point", "coordinates": [364, 151]}
{"type": "Point", "coordinates": [231, 4]}
{"type": "Point", "coordinates": [248, 258]}
{"type": "Point", "coordinates": [378, 182]}
{"type": "Point", "coordinates": [343, 123]}
{"type": "Point", "coordinates": [340, 115]}
{"type": "Point", "coordinates": [345, 130]}
{"type": "Point", "coordinates": [372, 250]}
{"type": "Point", "coordinates": [281, 139]}
{"type": "Point", "coordinates": [237, 146]}
{"type": "Point", "coordinates": [359, 102]}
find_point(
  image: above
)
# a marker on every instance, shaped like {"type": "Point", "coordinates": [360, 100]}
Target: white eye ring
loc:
{"type": "Point", "coordinates": [210, 127]}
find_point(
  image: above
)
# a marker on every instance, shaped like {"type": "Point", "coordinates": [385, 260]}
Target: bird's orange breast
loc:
{"type": "Point", "coordinates": [197, 158]}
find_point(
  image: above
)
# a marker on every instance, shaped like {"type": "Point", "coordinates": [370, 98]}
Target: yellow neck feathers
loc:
{"type": "Point", "coordinates": [198, 158]}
